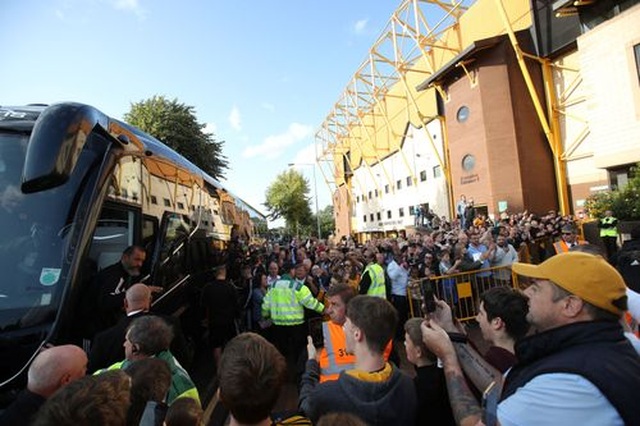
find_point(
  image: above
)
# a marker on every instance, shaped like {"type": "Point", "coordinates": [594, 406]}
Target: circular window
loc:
{"type": "Point", "coordinates": [468, 162]}
{"type": "Point", "coordinates": [462, 114]}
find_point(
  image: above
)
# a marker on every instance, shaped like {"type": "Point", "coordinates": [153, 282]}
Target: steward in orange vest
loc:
{"type": "Point", "coordinates": [569, 239]}
{"type": "Point", "coordinates": [333, 356]}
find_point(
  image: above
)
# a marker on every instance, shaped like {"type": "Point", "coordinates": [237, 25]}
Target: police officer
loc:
{"type": "Point", "coordinates": [284, 303]}
{"type": "Point", "coordinates": [609, 233]}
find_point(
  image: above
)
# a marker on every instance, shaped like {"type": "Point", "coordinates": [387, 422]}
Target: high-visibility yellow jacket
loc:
{"type": "Point", "coordinates": [376, 274]}
{"type": "Point", "coordinates": [181, 384]}
{"type": "Point", "coordinates": [608, 227]}
{"type": "Point", "coordinates": [285, 301]}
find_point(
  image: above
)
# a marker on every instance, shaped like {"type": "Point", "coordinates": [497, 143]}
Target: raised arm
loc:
{"type": "Point", "coordinates": [464, 406]}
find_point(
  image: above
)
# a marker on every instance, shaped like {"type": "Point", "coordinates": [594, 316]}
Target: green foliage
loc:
{"type": "Point", "coordinates": [260, 226]}
{"type": "Point", "coordinates": [176, 125]}
{"type": "Point", "coordinates": [287, 198]}
{"type": "Point", "coordinates": [625, 203]}
{"type": "Point", "coordinates": [327, 223]}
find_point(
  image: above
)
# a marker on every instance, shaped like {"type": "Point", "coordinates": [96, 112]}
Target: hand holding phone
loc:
{"type": "Point", "coordinates": [429, 302]}
{"type": "Point", "coordinates": [315, 331]}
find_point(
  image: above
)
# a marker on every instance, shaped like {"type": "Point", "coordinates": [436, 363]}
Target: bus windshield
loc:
{"type": "Point", "coordinates": [33, 239]}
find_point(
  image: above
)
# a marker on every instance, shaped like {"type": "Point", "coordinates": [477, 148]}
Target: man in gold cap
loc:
{"type": "Point", "coordinates": [578, 368]}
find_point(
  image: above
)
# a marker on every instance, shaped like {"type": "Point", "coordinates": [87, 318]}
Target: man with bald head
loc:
{"type": "Point", "coordinates": [52, 369]}
{"type": "Point", "coordinates": [107, 345]}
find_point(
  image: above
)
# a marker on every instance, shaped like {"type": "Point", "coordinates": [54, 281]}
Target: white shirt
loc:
{"type": "Point", "coordinates": [399, 278]}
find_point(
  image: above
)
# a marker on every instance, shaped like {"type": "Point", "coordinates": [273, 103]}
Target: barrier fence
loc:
{"type": "Point", "coordinates": [461, 291]}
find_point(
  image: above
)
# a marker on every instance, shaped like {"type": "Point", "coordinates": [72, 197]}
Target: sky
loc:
{"type": "Point", "coordinates": [262, 75]}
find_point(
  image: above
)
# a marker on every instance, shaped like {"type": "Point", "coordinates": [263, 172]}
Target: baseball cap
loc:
{"type": "Point", "coordinates": [587, 276]}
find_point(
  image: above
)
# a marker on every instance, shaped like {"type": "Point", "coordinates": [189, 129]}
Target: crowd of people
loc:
{"type": "Point", "coordinates": [561, 339]}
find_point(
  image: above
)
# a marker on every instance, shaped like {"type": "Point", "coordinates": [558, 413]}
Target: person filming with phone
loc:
{"type": "Point", "coordinates": [578, 368]}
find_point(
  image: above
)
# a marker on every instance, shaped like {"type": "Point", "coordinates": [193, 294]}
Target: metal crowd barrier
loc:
{"type": "Point", "coordinates": [461, 291]}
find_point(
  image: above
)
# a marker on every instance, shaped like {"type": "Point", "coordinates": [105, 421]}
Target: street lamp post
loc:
{"type": "Point", "coordinates": [315, 190]}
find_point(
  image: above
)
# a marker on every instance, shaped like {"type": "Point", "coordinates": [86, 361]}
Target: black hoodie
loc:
{"type": "Point", "coordinates": [388, 402]}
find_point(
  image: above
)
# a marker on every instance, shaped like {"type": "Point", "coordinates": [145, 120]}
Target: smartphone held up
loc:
{"type": "Point", "coordinates": [315, 331]}
{"type": "Point", "coordinates": [428, 296]}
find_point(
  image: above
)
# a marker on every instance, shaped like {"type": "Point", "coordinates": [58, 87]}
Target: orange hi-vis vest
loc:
{"type": "Point", "coordinates": [562, 247]}
{"type": "Point", "coordinates": [334, 357]}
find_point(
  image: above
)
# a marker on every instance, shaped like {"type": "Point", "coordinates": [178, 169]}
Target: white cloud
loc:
{"type": "Point", "coordinates": [269, 107]}
{"type": "Point", "coordinates": [306, 155]}
{"type": "Point", "coordinates": [234, 118]}
{"type": "Point", "coordinates": [210, 128]}
{"type": "Point", "coordinates": [132, 6]}
{"type": "Point", "coordinates": [360, 26]}
{"type": "Point", "coordinates": [274, 145]}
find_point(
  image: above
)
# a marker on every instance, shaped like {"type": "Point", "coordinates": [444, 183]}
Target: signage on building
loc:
{"type": "Point", "coordinates": [390, 222]}
{"type": "Point", "coordinates": [469, 179]}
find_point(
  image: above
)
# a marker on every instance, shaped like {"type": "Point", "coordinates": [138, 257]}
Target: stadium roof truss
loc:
{"type": "Point", "coordinates": [368, 121]}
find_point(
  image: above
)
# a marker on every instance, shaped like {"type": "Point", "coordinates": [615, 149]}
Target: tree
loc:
{"type": "Point", "coordinates": [176, 125]}
{"type": "Point", "coordinates": [624, 203]}
{"type": "Point", "coordinates": [287, 198]}
{"type": "Point", "coordinates": [327, 224]}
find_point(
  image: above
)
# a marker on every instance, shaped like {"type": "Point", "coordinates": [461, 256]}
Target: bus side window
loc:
{"type": "Point", "coordinates": [113, 233]}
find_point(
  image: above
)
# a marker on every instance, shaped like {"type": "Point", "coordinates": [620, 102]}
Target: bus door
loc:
{"type": "Point", "coordinates": [117, 228]}
{"type": "Point", "coordinates": [170, 270]}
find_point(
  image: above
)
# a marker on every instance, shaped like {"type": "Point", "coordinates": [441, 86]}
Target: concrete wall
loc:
{"type": "Point", "coordinates": [609, 71]}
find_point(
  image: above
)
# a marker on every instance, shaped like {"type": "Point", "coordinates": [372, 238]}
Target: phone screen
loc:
{"type": "Point", "coordinates": [315, 331]}
{"type": "Point", "coordinates": [490, 404]}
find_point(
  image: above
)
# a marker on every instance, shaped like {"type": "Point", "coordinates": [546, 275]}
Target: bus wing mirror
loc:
{"type": "Point", "coordinates": [56, 142]}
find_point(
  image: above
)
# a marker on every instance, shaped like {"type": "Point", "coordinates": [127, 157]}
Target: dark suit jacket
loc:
{"type": "Point", "coordinates": [107, 347]}
{"type": "Point", "coordinates": [23, 409]}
